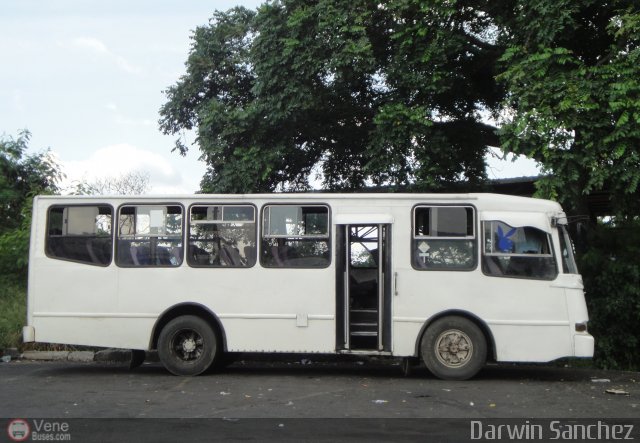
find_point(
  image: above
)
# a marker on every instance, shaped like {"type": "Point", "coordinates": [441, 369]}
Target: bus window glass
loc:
{"type": "Point", "coordinates": [444, 238]}
{"type": "Point", "coordinates": [80, 233]}
{"type": "Point", "coordinates": [149, 236]}
{"type": "Point", "coordinates": [295, 236]}
{"type": "Point", "coordinates": [222, 236]}
{"type": "Point", "coordinates": [517, 252]}
{"type": "Point", "coordinates": [566, 247]}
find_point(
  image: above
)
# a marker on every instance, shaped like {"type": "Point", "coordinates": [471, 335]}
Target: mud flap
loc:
{"type": "Point", "coordinates": [137, 358]}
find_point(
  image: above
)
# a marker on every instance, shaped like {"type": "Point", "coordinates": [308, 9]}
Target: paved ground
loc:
{"type": "Point", "coordinates": [305, 389]}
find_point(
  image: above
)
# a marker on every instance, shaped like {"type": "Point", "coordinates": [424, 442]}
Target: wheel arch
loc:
{"type": "Point", "coordinates": [188, 308]}
{"type": "Point", "coordinates": [486, 331]}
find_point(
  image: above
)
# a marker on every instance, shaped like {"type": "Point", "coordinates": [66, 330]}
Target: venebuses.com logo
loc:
{"type": "Point", "coordinates": [18, 429]}
{"type": "Point", "coordinates": [39, 429]}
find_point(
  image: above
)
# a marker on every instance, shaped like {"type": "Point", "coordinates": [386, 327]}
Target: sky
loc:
{"type": "Point", "coordinates": [85, 77]}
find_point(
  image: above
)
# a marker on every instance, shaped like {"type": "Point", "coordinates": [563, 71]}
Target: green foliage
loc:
{"type": "Point", "coordinates": [13, 311]}
{"type": "Point", "coordinates": [398, 93]}
{"type": "Point", "coordinates": [573, 74]}
{"type": "Point", "coordinates": [359, 91]}
{"type": "Point", "coordinates": [572, 71]}
{"type": "Point", "coordinates": [14, 246]}
{"type": "Point", "coordinates": [22, 177]}
{"type": "Point", "coordinates": [612, 276]}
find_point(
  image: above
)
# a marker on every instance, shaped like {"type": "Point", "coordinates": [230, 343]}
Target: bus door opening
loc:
{"type": "Point", "coordinates": [364, 286]}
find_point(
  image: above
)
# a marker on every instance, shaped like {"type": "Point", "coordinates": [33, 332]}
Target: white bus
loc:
{"type": "Point", "coordinates": [454, 279]}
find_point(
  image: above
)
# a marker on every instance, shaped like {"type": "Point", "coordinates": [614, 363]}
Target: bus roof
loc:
{"type": "Point", "coordinates": [486, 201]}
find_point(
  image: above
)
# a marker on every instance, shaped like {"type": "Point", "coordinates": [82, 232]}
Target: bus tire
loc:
{"type": "Point", "coordinates": [453, 348]}
{"type": "Point", "coordinates": [187, 345]}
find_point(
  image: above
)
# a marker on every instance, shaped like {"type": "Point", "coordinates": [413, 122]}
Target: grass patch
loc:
{"type": "Point", "coordinates": [13, 315]}
{"type": "Point", "coordinates": [13, 312]}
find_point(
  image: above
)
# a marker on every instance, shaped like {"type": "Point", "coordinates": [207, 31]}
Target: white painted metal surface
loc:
{"type": "Point", "coordinates": [294, 310]}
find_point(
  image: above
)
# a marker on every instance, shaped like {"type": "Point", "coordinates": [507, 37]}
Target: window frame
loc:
{"type": "Point", "coordinates": [207, 204]}
{"type": "Point", "coordinates": [518, 254]}
{"type": "Point", "coordinates": [550, 246]}
{"type": "Point", "coordinates": [117, 236]}
{"type": "Point", "coordinates": [262, 236]}
{"type": "Point", "coordinates": [472, 238]}
{"type": "Point", "coordinates": [111, 236]}
{"type": "Point", "coordinates": [569, 265]}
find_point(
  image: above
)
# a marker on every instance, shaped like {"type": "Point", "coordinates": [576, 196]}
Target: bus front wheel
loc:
{"type": "Point", "coordinates": [453, 348]}
{"type": "Point", "coordinates": [187, 345]}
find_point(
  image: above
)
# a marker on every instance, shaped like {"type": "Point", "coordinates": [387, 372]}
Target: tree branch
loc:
{"type": "Point", "coordinates": [459, 129]}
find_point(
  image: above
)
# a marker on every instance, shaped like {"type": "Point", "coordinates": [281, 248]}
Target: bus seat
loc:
{"type": "Point", "coordinates": [250, 255]}
{"type": "Point", "coordinates": [134, 255]}
{"type": "Point", "coordinates": [275, 253]}
{"type": "Point", "coordinates": [140, 255]}
{"type": "Point", "coordinates": [176, 255]}
{"type": "Point", "coordinates": [491, 267]}
{"type": "Point", "coordinates": [231, 256]}
{"type": "Point", "coordinates": [92, 253]}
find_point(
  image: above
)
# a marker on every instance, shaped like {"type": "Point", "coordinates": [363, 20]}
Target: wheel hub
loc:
{"type": "Point", "coordinates": [189, 345]}
{"type": "Point", "coordinates": [454, 348]}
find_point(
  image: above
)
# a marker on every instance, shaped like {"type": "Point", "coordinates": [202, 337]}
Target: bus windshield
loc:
{"type": "Point", "coordinates": [566, 246]}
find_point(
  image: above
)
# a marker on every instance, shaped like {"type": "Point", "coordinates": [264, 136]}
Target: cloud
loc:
{"type": "Point", "coordinates": [99, 48]}
{"type": "Point", "coordinates": [118, 159]}
{"type": "Point", "coordinates": [92, 44]}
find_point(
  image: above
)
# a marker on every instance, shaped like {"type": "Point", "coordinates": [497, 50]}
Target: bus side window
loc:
{"type": "Point", "coordinates": [523, 252]}
{"type": "Point", "coordinates": [295, 236]}
{"type": "Point", "coordinates": [80, 233]}
{"type": "Point", "coordinates": [222, 236]}
{"type": "Point", "coordinates": [149, 235]}
{"type": "Point", "coordinates": [444, 238]}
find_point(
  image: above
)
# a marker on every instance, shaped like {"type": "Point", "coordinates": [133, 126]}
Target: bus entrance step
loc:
{"type": "Point", "coordinates": [359, 317]}
{"type": "Point", "coordinates": [363, 333]}
{"type": "Point", "coordinates": [364, 325]}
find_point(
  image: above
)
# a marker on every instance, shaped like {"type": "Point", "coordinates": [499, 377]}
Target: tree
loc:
{"type": "Point", "coordinates": [130, 183]}
{"type": "Point", "coordinates": [22, 176]}
{"type": "Point", "coordinates": [572, 70]}
{"type": "Point", "coordinates": [400, 92]}
{"type": "Point", "coordinates": [363, 92]}
{"type": "Point", "coordinates": [611, 275]}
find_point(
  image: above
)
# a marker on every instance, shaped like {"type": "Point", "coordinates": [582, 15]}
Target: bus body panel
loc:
{"type": "Point", "coordinates": [541, 329]}
{"type": "Point", "coordinates": [108, 331]}
{"type": "Point", "coordinates": [266, 305]}
{"type": "Point", "coordinates": [294, 310]}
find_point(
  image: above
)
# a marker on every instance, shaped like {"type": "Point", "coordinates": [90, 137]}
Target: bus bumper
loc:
{"type": "Point", "coordinates": [583, 345]}
{"type": "Point", "coordinates": [28, 334]}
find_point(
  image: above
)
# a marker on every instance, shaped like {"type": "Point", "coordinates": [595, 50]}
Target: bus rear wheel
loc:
{"type": "Point", "coordinates": [187, 345]}
{"type": "Point", "coordinates": [453, 348]}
